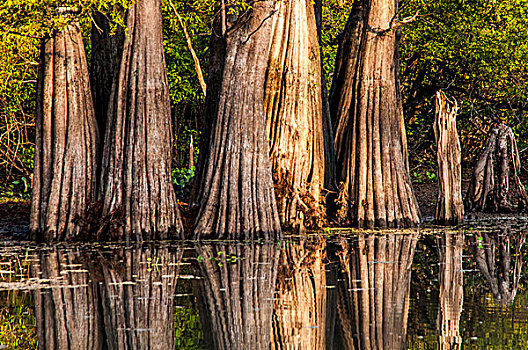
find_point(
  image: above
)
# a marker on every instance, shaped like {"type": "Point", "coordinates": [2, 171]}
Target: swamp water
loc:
{"type": "Point", "coordinates": [412, 289]}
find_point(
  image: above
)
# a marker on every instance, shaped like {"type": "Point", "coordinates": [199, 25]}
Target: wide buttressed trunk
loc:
{"type": "Point", "coordinates": [373, 299]}
{"type": "Point", "coordinates": [235, 193]}
{"type": "Point", "coordinates": [449, 208]}
{"type": "Point", "coordinates": [370, 134]}
{"type": "Point", "coordinates": [136, 188]}
{"type": "Point", "coordinates": [66, 139]}
{"type": "Point", "coordinates": [294, 115]}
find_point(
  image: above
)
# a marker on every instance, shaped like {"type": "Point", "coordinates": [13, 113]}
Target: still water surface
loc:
{"type": "Point", "coordinates": [423, 289]}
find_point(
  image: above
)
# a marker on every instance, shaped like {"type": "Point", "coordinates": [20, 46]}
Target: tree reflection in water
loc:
{"type": "Point", "coordinates": [492, 252]}
{"type": "Point", "coordinates": [373, 299]}
{"type": "Point", "coordinates": [235, 294]}
{"type": "Point", "coordinates": [120, 301]}
{"type": "Point", "coordinates": [304, 312]}
{"type": "Point", "coordinates": [450, 248]}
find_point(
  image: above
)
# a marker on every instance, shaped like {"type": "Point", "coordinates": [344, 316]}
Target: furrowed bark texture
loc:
{"type": "Point", "coordinates": [449, 208]}
{"type": "Point", "coordinates": [370, 140]}
{"type": "Point", "coordinates": [66, 139]}
{"type": "Point", "coordinates": [294, 115]}
{"type": "Point", "coordinates": [373, 299]}
{"type": "Point", "coordinates": [107, 48]}
{"type": "Point", "coordinates": [236, 198]}
{"type": "Point", "coordinates": [490, 183]}
{"type": "Point", "coordinates": [235, 296]}
{"type": "Point", "coordinates": [304, 311]}
{"type": "Point", "coordinates": [136, 187]}
{"type": "Point", "coordinates": [450, 250]}
{"type": "Point", "coordinates": [66, 312]}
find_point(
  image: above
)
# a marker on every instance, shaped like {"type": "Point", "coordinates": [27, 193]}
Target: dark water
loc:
{"type": "Point", "coordinates": [423, 289]}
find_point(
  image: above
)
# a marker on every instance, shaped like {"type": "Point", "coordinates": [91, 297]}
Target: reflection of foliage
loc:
{"type": "Point", "coordinates": [17, 321]}
{"type": "Point", "coordinates": [188, 331]}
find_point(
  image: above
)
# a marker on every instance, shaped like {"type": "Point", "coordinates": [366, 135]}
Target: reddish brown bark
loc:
{"type": "Point", "coordinates": [136, 187]}
{"type": "Point", "coordinates": [370, 139]}
{"type": "Point", "coordinates": [66, 141]}
{"type": "Point", "coordinates": [235, 193]}
{"type": "Point", "coordinates": [294, 114]}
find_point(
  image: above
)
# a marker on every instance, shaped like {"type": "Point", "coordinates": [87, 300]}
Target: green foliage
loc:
{"type": "Point", "coordinates": [476, 51]}
{"type": "Point", "coordinates": [182, 176]}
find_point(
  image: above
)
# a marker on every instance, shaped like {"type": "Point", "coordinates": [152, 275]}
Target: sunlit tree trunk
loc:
{"type": "Point", "coordinates": [66, 139]}
{"type": "Point", "coordinates": [370, 134]}
{"type": "Point", "coordinates": [66, 312]}
{"type": "Point", "coordinates": [235, 194]}
{"type": "Point", "coordinates": [450, 250]}
{"type": "Point", "coordinates": [294, 115]}
{"type": "Point", "coordinates": [304, 311]}
{"type": "Point", "coordinates": [235, 294]}
{"type": "Point", "coordinates": [373, 299]}
{"type": "Point", "coordinates": [136, 188]}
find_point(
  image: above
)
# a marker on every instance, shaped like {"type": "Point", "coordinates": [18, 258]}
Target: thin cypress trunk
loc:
{"type": "Point", "coordinates": [235, 193]}
{"type": "Point", "coordinates": [294, 115]}
{"type": "Point", "coordinates": [136, 187]}
{"type": "Point", "coordinates": [66, 139]}
{"type": "Point", "coordinates": [370, 140]}
{"type": "Point", "coordinates": [449, 208]}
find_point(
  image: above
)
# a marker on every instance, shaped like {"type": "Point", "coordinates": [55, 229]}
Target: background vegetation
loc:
{"type": "Point", "coordinates": [473, 49]}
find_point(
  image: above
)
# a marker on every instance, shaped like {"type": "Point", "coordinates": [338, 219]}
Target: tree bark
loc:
{"type": "Point", "coordinates": [107, 48]}
{"type": "Point", "coordinates": [136, 188]}
{"type": "Point", "coordinates": [449, 208]}
{"type": "Point", "coordinates": [304, 310]}
{"type": "Point", "coordinates": [235, 294]}
{"type": "Point", "coordinates": [294, 115]}
{"type": "Point", "coordinates": [235, 193]}
{"type": "Point", "coordinates": [373, 300]}
{"type": "Point", "coordinates": [370, 139]}
{"type": "Point", "coordinates": [490, 183]}
{"type": "Point", "coordinates": [66, 139]}
{"type": "Point", "coordinates": [450, 250]}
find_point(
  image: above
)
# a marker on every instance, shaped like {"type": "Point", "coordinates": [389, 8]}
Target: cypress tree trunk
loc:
{"type": "Point", "coordinates": [136, 188]}
{"type": "Point", "coordinates": [450, 250]}
{"type": "Point", "coordinates": [235, 294]}
{"type": "Point", "coordinates": [107, 48]}
{"type": "Point", "coordinates": [370, 139]}
{"type": "Point", "coordinates": [449, 208]}
{"type": "Point", "coordinates": [235, 193]}
{"type": "Point", "coordinates": [373, 300]}
{"type": "Point", "coordinates": [304, 310]}
{"type": "Point", "coordinates": [66, 139]}
{"type": "Point", "coordinates": [294, 115]}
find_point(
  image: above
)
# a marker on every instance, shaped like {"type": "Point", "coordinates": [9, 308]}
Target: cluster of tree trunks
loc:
{"type": "Point", "coordinates": [370, 139]}
{"type": "Point", "coordinates": [124, 301]}
{"type": "Point", "coordinates": [449, 208]}
{"type": "Point", "coordinates": [490, 184]}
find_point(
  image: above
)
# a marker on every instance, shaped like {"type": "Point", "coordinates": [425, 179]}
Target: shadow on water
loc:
{"type": "Point", "coordinates": [424, 289]}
